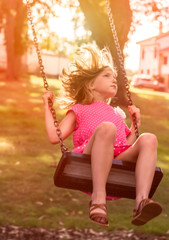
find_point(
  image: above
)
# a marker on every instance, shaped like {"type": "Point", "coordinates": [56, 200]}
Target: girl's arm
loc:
{"type": "Point", "coordinates": [66, 126]}
{"type": "Point", "coordinates": [133, 110]}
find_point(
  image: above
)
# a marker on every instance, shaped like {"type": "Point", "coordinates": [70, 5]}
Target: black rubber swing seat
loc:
{"type": "Point", "coordinates": [74, 172]}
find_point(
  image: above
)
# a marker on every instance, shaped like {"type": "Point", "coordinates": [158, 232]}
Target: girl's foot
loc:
{"type": "Point", "coordinates": [98, 214]}
{"type": "Point", "coordinates": [147, 210]}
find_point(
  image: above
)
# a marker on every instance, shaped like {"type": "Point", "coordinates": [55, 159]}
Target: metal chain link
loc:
{"type": "Point", "coordinates": [43, 75]}
{"type": "Point", "coordinates": [121, 62]}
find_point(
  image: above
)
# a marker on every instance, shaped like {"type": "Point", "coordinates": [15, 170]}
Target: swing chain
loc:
{"type": "Point", "coordinates": [43, 75]}
{"type": "Point", "coordinates": [121, 62]}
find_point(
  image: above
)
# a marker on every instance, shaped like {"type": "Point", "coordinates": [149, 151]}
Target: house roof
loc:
{"type": "Point", "coordinates": [154, 38]}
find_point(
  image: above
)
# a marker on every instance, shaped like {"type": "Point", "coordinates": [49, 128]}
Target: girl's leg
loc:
{"type": "Point", "coordinates": [144, 153]}
{"type": "Point", "coordinates": [100, 146]}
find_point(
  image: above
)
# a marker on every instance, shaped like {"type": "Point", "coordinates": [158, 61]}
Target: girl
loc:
{"type": "Point", "coordinates": [89, 83]}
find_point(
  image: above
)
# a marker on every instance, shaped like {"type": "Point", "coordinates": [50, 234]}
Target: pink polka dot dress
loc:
{"type": "Point", "coordinates": [88, 117]}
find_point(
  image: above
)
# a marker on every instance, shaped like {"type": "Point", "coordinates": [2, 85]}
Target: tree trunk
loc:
{"type": "Point", "coordinates": [15, 18]}
{"type": "Point", "coordinates": [10, 41]}
{"type": "Point", "coordinates": [97, 22]}
{"type": "Point", "coordinates": [19, 41]}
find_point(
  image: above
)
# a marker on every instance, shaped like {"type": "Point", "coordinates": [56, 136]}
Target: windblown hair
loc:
{"type": "Point", "coordinates": [76, 78]}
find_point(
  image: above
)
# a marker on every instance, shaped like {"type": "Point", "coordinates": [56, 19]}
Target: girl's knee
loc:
{"type": "Point", "coordinates": [149, 140]}
{"type": "Point", "coordinates": [106, 130]}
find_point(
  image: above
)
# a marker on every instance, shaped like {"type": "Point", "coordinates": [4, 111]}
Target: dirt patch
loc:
{"type": "Point", "coordinates": [21, 233]}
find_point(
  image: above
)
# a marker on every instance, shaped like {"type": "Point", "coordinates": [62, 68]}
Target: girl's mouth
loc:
{"type": "Point", "coordinates": [114, 86]}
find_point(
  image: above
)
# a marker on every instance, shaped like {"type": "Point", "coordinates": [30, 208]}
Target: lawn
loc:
{"type": "Point", "coordinates": [28, 196]}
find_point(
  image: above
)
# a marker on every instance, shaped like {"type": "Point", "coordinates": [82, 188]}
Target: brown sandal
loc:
{"type": "Point", "coordinates": [97, 215]}
{"type": "Point", "coordinates": [147, 210]}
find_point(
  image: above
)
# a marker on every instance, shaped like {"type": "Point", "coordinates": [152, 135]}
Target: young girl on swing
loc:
{"type": "Point", "coordinates": [89, 83]}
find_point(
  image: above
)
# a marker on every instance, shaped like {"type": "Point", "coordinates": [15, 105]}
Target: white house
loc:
{"type": "Point", "coordinates": [53, 63]}
{"type": "Point", "coordinates": [154, 57]}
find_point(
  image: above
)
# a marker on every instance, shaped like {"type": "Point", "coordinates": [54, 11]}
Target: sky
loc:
{"type": "Point", "coordinates": [63, 26]}
{"type": "Point", "coordinates": [132, 49]}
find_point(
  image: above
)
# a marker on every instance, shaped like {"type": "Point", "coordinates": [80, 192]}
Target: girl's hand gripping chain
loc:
{"type": "Point", "coordinates": [48, 96]}
{"type": "Point", "coordinates": [133, 110]}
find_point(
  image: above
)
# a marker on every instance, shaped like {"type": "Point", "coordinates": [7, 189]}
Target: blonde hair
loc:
{"type": "Point", "coordinates": [76, 78]}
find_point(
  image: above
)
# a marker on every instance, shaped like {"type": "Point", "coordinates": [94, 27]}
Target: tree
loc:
{"type": "Point", "coordinates": [12, 15]}
{"type": "Point", "coordinates": [151, 9]}
{"type": "Point", "coordinates": [13, 19]}
{"type": "Point", "coordinates": [14, 36]}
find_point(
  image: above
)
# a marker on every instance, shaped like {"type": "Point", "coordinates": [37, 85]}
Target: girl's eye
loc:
{"type": "Point", "coordinates": [107, 75]}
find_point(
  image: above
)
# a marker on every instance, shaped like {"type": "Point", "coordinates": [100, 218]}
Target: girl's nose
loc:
{"type": "Point", "coordinates": [114, 81]}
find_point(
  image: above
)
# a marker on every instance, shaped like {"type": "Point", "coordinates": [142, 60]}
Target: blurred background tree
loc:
{"type": "Point", "coordinates": [153, 10]}
{"type": "Point", "coordinates": [13, 19]}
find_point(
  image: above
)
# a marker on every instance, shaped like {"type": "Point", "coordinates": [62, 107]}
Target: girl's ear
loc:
{"type": "Point", "coordinates": [91, 85]}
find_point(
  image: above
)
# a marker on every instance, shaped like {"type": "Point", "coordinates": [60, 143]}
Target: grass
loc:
{"type": "Point", "coordinates": [28, 196]}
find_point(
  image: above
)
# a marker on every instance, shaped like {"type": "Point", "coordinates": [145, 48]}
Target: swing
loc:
{"type": "Point", "coordinates": [74, 169]}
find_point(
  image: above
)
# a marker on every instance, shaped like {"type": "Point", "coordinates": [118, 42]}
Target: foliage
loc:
{"type": "Point", "coordinates": [66, 45]}
{"type": "Point", "coordinates": [155, 10]}
{"type": "Point", "coordinates": [42, 10]}
{"type": "Point", "coordinates": [53, 43]}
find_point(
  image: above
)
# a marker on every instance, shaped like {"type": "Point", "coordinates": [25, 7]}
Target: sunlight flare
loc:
{"type": "Point", "coordinates": [5, 145]}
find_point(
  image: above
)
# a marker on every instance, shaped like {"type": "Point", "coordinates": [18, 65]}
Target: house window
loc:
{"type": "Point", "coordinates": [148, 71]}
{"type": "Point", "coordinates": [165, 60]}
{"type": "Point", "coordinates": [155, 52]}
{"type": "Point", "coordinates": [143, 54]}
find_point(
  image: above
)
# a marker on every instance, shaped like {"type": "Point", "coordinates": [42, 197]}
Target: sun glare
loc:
{"type": "Point", "coordinates": [63, 26]}
{"type": "Point", "coordinates": [5, 145]}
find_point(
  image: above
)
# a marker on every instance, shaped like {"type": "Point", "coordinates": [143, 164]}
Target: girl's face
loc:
{"type": "Point", "coordinates": [104, 85]}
